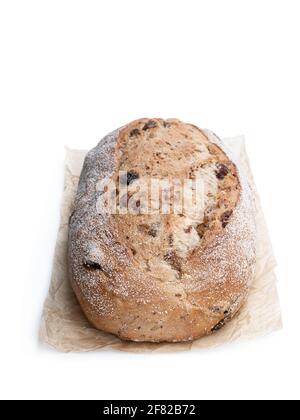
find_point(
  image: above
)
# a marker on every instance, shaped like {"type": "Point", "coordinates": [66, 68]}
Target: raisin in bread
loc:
{"type": "Point", "coordinates": [153, 276]}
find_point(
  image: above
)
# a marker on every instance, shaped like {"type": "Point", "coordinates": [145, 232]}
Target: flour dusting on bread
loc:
{"type": "Point", "coordinates": [162, 277]}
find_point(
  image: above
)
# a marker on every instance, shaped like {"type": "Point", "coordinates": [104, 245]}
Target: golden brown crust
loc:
{"type": "Point", "coordinates": [154, 277]}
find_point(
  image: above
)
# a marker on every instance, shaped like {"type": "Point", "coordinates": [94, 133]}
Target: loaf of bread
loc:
{"type": "Point", "coordinates": [152, 269]}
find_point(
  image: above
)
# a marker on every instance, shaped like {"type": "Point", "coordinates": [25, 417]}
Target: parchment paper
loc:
{"type": "Point", "coordinates": [64, 327]}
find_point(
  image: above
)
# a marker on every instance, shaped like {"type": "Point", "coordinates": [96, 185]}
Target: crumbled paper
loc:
{"type": "Point", "coordinates": [64, 327]}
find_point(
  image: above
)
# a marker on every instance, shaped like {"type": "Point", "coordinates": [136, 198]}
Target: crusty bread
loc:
{"type": "Point", "coordinates": [161, 277]}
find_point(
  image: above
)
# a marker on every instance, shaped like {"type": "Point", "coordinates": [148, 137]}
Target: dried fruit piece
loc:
{"type": "Point", "coordinates": [92, 265]}
{"type": "Point", "coordinates": [129, 177]}
{"type": "Point", "coordinates": [202, 228]}
{"type": "Point", "coordinates": [135, 132]}
{"type": "Point", "coordinates": [150, 124]}
{"type": "Point", "coordinates": [222, 171]}
{"type": "Point", "coordinates": [153, 230]}
{"type": "Point", "coordinates": [225, 218]}
{"type": "Point", "coordinates": [215, 309]}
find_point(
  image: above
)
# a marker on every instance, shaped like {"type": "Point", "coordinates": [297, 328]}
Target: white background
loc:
{"type": "Point", "coordinates": [72, 71]}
